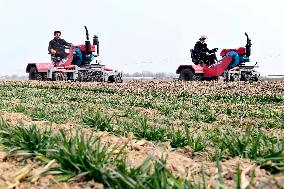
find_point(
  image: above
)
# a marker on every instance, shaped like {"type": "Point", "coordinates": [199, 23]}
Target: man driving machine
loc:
{"type": "Point", "coordinates": [206, 56]}
{"type": "Point", "coordinates": [57, 45]}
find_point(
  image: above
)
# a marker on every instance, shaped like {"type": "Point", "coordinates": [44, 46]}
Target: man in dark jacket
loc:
{"type": "Point", "coordinates": [206, 56]}
{"type": "Point", "coordinates": [57, 45]}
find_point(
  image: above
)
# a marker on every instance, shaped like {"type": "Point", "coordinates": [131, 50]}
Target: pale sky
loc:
{"type": "Point", "coordinates": [141, 35]}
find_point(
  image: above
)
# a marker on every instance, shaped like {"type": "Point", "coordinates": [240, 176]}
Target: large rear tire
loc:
{"type": "Point", "coordinates": [33, 73]}
{"type": "Point", "coordinates": [186, 75]}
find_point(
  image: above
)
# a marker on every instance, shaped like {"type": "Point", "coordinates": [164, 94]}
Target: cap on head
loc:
{"type": "Point", "coordinates": [55, 32]}
{"type": "Point", "coordinates": [203, 37]}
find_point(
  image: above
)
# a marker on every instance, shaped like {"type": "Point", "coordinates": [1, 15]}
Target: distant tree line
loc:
{"type": "Point", "coordinates": [14, 77]}
{"type": "Point", "coordinates": [157, 75]}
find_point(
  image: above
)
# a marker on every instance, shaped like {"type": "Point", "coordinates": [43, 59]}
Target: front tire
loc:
{"type": "Point", "coordinates": [186, 75]}
{"type": "Point", "coordinates": [234, 77]}
{"type": "Point", "coordinates": [118, 78]}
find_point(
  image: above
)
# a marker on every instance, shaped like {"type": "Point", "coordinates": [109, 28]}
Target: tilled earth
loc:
{"type": "Point", "coordinates": [175, 87]}
{"type": "Point", "coordinates": [180, 161]}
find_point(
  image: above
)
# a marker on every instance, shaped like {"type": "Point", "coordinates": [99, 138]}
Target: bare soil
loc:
{"type": "Point", "coordinates": [182, 161]}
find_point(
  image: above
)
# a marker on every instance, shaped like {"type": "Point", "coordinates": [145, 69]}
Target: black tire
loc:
{"type": "Point", "coordinates": [213, 78]}
{"type": "Point", "coordinates": [111, 79]}
{"type": "Point", "coordinates": [33, 73]}
{"type": "Point", "coordinates": [44, 77]}
{"type": "Point", "coordinates": [186, 75]}
{"type": "Point", "coordinates": [118, 78]}
{"type": "Point", "coordinates": [234, 77]}
{"type": "Point", "coordinates": [246, 76]}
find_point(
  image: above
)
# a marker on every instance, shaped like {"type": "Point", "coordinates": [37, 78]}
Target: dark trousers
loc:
{"type": "Point", "coordinates": [61, 54]}
{"type": "Point", "coordinates": [208, 59]}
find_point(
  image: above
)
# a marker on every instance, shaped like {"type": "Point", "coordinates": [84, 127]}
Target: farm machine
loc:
{"type": "Point", "coordinates": [232, 66]}
{"type": "Point", "coordinates": [80, 64]}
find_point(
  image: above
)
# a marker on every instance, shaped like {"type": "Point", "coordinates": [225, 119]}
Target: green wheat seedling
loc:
{"type": "Point", "coordinates": [178, 138]}
{"type": "Point", "coordinates": [98, 121]}
{"type": "Point", "coordinates": [142, 129]}
{"type": "Point", "coordinates": [29, 139]}
{"type": "Point", "coordinates": [20, 108]}
{"type": "Point", "coordinates": [149, 175]}
{"type": "Point", "coordinates": [87, 157]}
{"type": "Point", "coordinates": [182, 138]}
{"type": "Point", "coordinates": [256, 145]}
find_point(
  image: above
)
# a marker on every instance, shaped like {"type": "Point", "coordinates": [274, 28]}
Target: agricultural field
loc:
{"type": "Point", "coordinates": [142, 134]}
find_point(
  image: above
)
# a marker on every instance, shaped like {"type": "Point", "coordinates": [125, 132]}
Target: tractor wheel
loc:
{"type": "Point", "coordinates": [246, 76]}
{"type": "Point", "coordinates": [213, 78]}
{"type": "Point", "coordinates": [186, 75]}
{"type": "Point", "coordinates": [44, 77]}
{"type": "Point", "coordinates": [57, 76]}
{"type": "Point", "coordinates": [111, 79]}
{"type": "Point", "coordinates": [234, 77]}
{"type": "Point", "coordinates": [118, 78]}
{"type": "Point", "coordinates": [33, 74]}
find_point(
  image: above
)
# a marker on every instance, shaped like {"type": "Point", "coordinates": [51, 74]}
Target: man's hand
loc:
{"type": "Point", "coordinates": [215, 49]}
{"type": "Point", "coordinates": [52, 51]}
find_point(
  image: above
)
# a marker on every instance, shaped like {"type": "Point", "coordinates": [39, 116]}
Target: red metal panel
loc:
{"type": "Point", "coordinates": [66, 61]}
{"type": "Point", "coordinates": [225, 51]}
{"type": "Point", "coordinates": [43, 66]}
{"type": "Point", "coordinates": [83, 48]}
{"type": "Point", "coordinates": [62, 64]}
{"type": "Point", "coordinates": [197, 68]}
{"type": "Point", "coordinates": [70, 67]}
{"type": "Point", "coordinates": [108, 69]}
{"type": "Point", "coordinates": [241, 51]}
{"type": "Point", "coordinates": [218, 68]}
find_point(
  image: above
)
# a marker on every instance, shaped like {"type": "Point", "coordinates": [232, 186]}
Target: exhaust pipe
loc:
{"type": "Point", "coordinates": [87, 42]}
{"type": "Point", "coordinates": [97, 44]}
{"type": "Point", "coordinates": [248, 46]}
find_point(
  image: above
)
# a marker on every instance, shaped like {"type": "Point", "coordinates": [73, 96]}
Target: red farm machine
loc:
{"type": "Point", "coordinates": [232, 66]}
{"type": "Point", "coordinates": [80, 64]}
